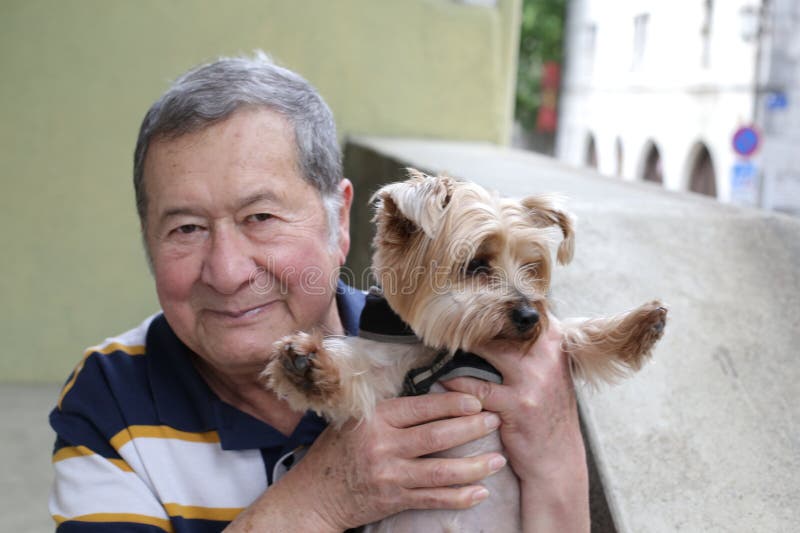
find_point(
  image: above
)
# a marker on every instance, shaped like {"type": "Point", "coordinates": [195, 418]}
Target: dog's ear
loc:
{"type": "Point", "coordinates": [543, 212]}
{"type": "Point", "coordinates": [417, 203]}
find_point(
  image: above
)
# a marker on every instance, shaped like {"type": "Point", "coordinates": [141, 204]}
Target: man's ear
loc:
{"type": "Point", "coordinates": [343, 220]}
{"type": "Point", "coordinates": [543, 213]}
{"type": "Point", "coordinates": [415, 204]}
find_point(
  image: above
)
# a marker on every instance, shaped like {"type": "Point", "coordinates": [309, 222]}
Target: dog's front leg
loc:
{"type": "Point", "coordinates": [608, 348]}
{"type": "Point", "coordinates": [339, 377]}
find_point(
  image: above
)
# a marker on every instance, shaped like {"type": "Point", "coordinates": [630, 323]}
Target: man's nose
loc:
{"type": "Point", "coordinates": [229, 262]}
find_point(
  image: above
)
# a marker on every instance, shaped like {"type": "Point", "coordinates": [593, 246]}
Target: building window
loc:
{"type": "Point", "coordinates": [652, 165]}
{"type": "Point", "coordinates": [639, 39]}
{"type": "Point", "coordinates": [702, 178]}
{"type": "Point", "coordinates": [589, 45]}
{"type": "Point", "coordinates": [705, 32]}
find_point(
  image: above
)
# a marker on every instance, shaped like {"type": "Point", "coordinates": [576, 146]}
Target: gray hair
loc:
{"type": "Point", "coordinates": [211, 93]}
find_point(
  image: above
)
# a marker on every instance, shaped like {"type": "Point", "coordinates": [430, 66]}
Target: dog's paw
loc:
{"type": "Point", "coordinates": [655, 319]}
{"type": "Point", "coordinates": [298, 363]}
{"type": "Point", "coordinates": [304, 372]}
{"type": "Point", "coordinates": [649, 322]}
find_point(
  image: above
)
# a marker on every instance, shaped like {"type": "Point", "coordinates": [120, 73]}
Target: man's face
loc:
{"type": "Point", "coordinates": [239, 241]}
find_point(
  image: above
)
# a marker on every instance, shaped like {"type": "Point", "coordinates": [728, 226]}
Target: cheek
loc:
{"type": "Point", "coordinates": [307, 269]}
{"type": "Point", "coordinates": [174, 280]}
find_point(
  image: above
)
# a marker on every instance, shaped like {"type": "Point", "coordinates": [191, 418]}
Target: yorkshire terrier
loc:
{"type": "Point", "coordinates": [462, 267]}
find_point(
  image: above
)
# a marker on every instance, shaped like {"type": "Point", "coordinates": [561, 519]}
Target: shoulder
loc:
{"type": "Point", "coordinates": [122, 350]}
{"type": "Point", "coordinates": [109, 373]}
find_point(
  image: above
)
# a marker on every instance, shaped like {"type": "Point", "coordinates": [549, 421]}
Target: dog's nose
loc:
{"type": "Point", "coordinates": [524, 317]}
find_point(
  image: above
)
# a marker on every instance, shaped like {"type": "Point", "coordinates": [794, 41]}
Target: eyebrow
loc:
{"type": "Point", "coordinates": [268, 196]}
{"type": "Point", "coordinates": [176, 211]}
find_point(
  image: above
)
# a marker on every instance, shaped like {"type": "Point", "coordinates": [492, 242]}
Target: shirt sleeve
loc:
{"type": "Point", "coordinates": [94, 488]}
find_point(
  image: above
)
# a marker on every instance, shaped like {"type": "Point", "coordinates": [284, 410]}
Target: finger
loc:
{"type": "Point", "coordinates": [441, 472]}
{"type": "Point", "coordinates": [414, 410]}
{"type": "Point", "coordinates": [445, 434]}
{"type": "Point", "coordinates": [493, 397]}
{"type": "Point", "coordinates": [518, 364]}
{"type": "Point", "coordinates": [448, 498]}
{"type": "Point", "coordinates": [506, 357]}
{"type": "Point", "coordinates": [546, 362]}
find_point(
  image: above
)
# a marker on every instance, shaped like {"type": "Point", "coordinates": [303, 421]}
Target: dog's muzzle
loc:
{"type": "Point", "coordinates": [524, 317]}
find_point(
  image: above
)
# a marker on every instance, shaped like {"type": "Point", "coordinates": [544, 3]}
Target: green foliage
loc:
{"type": "Point", "coordinates": [540, 40]}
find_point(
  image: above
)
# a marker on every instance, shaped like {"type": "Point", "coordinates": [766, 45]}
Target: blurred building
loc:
{"type": "Point", "coordinates": [700, 95]}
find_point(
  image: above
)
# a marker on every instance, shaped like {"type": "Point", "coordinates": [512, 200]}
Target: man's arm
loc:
{"type": "Point", "coordinates": [540, 432]}
{"type": "Point", "coordinates": [370, 470]}
{"type": "Point", "coordinates": [94, 489]}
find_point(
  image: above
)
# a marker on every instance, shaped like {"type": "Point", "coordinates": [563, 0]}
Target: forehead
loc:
{"type": "Point", "coordinates": [248, 150]}
{"type": "Point", "coordinates": [247, 135]}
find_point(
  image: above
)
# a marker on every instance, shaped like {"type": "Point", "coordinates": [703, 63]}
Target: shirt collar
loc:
{"type": "Point", "coordinates": [379, 322]}
{"type": "Point", "coordinates": [184, 401]}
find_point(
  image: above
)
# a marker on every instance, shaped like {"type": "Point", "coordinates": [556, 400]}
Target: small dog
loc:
{"type": "Point", "coordinates": [462, 267]}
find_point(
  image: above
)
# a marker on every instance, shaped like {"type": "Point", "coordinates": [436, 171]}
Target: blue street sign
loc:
{"type": "Point", "coordinates": [744, 183]}
{"type": "Point", "coordinates": [746, 141]}
{"type": "Point", "coordinates": [777, 100]}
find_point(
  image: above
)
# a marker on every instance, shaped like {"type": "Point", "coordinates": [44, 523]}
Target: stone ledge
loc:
{"type": "Point", "coordinates": [707, 437]}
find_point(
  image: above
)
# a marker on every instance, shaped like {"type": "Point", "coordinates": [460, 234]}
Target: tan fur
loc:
{"type": "Point", "coordinates": [459, 264]}
{"type": "Point", "coordinates": [429, 230]}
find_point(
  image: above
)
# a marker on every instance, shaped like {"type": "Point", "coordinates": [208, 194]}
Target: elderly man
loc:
{"type": "Point", "coordinates": [245, 217]}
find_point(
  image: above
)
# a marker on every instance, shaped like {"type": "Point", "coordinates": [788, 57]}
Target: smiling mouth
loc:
{"type": "Point", "coordinates": [244, 313]}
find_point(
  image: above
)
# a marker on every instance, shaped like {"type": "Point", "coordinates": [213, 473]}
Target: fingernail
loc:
{"type": "Point", "coordinates": [492, 421]}
{"type": "Point", "coordinates": [471, 405]}
{"type": "Point", "coordinates": [478, 495]}
{"type": "Point", "coordinates": [496, 463]}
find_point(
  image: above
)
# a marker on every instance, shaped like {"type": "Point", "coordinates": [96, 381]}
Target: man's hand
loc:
{"type": "Point", "coordinates": [367, 471]}
{"type": "Point", "coordinates": [540, 430]}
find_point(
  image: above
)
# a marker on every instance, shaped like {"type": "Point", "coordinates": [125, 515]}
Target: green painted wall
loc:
{"type": "Point", "coordinates": [77, 77]}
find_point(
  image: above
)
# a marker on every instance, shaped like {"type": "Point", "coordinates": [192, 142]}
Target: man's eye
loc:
{"type": "Point", "coordinates": [260, 217]}
{"type": "Point", "coordinates": [477, 266]}
{"type": "Point", "coordinates": [188, 228]}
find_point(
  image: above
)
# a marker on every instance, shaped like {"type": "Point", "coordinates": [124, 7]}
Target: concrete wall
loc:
{"type": "Point", "coordinates": [78, 77]}
{"type": "Point", "coordinates": [707, 436]}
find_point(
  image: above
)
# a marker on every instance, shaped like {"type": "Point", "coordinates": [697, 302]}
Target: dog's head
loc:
{"type": "Point", "coordinates": [463, 266]}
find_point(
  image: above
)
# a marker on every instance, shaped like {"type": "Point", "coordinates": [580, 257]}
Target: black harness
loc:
{"type": "Point", "coordinates": [380, 323]}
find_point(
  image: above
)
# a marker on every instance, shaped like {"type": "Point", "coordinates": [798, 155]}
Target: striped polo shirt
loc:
{"type": "Point", "coordinates": [144, 445]}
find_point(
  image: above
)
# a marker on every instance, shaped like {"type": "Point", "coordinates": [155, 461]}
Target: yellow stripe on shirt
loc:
{"type": "Point", "coordinates": [69, 452]}
{"type": "Point", "coordinates": [161, 523]}
{"type": "Point", "coordinates": [136, 349]}
{"type": "Point", "coordinates": [224, 514]}
{"type": "Point", "coordinates": [102, 350]}
{"type": "Point", "coordinates": [160, 432]}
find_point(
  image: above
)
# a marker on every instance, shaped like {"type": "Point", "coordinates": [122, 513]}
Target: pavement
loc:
{"type": "Point", "coordinates": [25, 450]}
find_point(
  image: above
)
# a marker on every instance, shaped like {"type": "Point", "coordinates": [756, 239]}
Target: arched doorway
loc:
{"type": "Point", "coordinates": [619, 156]}
{"type": "Point", "coordinates": [702, 178]}
{"type": "Point", "coordinates": [652, 170]}
{"type": "Point", "coordinates": [590, 157]}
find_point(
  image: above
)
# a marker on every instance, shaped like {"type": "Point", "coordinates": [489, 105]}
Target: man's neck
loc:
{"type": "Point", "coordinates": [249, 395]}
{"type": "Point", "coordinates": [246, 392]}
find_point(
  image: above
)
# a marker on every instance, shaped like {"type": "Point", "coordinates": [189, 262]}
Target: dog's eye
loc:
{"type": "Point", "coordinates": [477, 266]}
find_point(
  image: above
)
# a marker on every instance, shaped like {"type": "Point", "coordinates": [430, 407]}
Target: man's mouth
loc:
{"type": "Point", "coordinates": [246, 312]}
